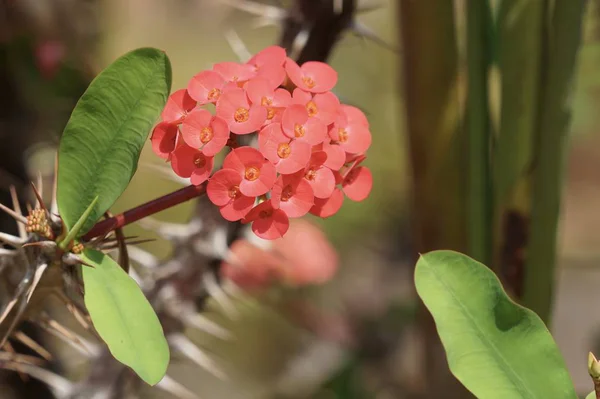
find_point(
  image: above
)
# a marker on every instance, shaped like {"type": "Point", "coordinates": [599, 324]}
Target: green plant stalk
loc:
{"type": "Point", "coordinates": [519, 35]}
{"type": "Point", "coordinates": [74, 232]}
{"type": "Point", "coordinates": [432, 90]}
{"type": "Point", "coordinates": [478, 131]}
{"type": "Point", "coordinates": [563, 42]}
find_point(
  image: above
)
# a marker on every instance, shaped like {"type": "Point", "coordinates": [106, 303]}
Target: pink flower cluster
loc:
{"type": "Point", "coordinates": [310, 147]}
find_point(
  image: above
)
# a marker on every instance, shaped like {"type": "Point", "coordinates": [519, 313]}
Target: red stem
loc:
{"type": "Point", "coordinates": [149, 208]}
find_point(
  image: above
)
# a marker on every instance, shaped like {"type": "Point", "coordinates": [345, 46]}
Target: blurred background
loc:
{"type": "Point", "coordinates": [357, 335]}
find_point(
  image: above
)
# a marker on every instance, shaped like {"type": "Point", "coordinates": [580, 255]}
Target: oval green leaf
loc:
{"type": "Point", "coordinates": [495, 347]}
{"type": "Point", "coordinates": [124, 318]}
{"type": "Point", "coordinates": [103, 139]}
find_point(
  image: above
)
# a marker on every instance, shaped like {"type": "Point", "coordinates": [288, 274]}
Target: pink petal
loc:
{"type": "Point", "coordinates": [177, 106]}
{"type": "Point", "coordinates": [268, 223]}
{"type": "Point", "coordinates": [258, 89]}
{"type": "Point", "coordinates": [235, 72]}
{"type": "Point", "coordinates": [323, 76]}
{"type": "Point", "coordinates": [237, 209]}
{"type": "Point", "coordinates": [274, 74]}
{"type": "Point", "coordinates": [220, 137]}
{"type": "Point", "coordinates": [264, 183]}
{"type": "Point", "coordinates": [193, 125]}
{"type": "Point", "coordinates": [274, 55]}
{"type": "Point", "coordinates": [234, 101]}
{"type": "Point", "coordinates": [206, 87]}
{"type": "Point", "coordinates": [355, 115]}
{"type": "Point", "coordinates": [252, 267]}
{"type": "Point", "coordinates": [163, 139]}
{"type": "Point", "coordinates": [355, 139]}
{"type": "Point", "coordinates": [269, 139]}
{"type": "Point", "coordinates": [282, 98]}
{"type": "Point", "coordinates": [322, 181]}
{"type": "Point", "coordinates": [293, 117]}
{"type": "Point", "coordinates": [293, 195]}
{"type": "Point", "coordinates": [301, 97]}
{"type": "Point", "coordinates": [298, 158]}
{"type": "Point", "coordinates": [327, 106]}
{"type": "Point", "coordinates": [295, 73]}
{"type": "Point", "coordinates": [200, 175]}
{"type": "Point", "coordinates": [358, 183]}
{"type": "Point", "coordinates": [314, 132]}
{"type": "Point", "coordinates": [220, 184]}
{"type": "Point", "coordinates": [186, 160]}
{"type": "Point", "coordinates": [336, 156]}
{"type": "Point", "coordinates": [329, 206]}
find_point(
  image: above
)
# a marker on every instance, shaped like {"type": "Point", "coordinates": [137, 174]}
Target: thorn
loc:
{"type": "Point", "coordinates": [183, 344]}
{"type": "Point", "coordinates": [9, 348]}
{"type": "Point", "coordinates": [299, 43]}
{"type": "Point", "coordinates": [365, 32]}
{"type": "Point", "coordinates": [43, 244]}
{"type": "Point", "coordinates": [7, 252]}
{"type": "Point", "coordinates": [17, 208]}
{"type": "Point", "coordinates": [11, 240]}
{"type": "Point", "coordinates": [258, 9]}
{"type": "Point", "coordinates": [176, 389]}
{"type": "Point", "coordinates": [36, 279]}
{"type": "Point", "coordinates": [200, 322]}
{"type": "Point", "coordinates": [171, 231]}
{"type": "Point", "coordinates": [108, 247]}
{"type": "Point", "coordinates": [40, 187]}
{"type": "Point", "coordinates": [54, 203]}
{"type": "Point", "coordinates": [215, 291]}
{"type": "Point", "coordinates": [12, 356]}
{"type": "Point", "coordinates": [144, 258]}
{"type": "Point", "coordinates": [31, 344]}
{"type": "Point", "coordinates": [72, 307]}
{"type": "Point", "coordinates": [39, 202]}
{"type": "Point", "coordinates": [237, 45]}
{"type": "Point", "coordinates": [61, 385]}
{"type": "Point", "coordinates": [16, 216]}
{"type": "Point", "coordinates": [73, 260]}
{"type": "Point", "coordinates": [21, 288]}
{"type": "Point", "coordinates": [73, 339]}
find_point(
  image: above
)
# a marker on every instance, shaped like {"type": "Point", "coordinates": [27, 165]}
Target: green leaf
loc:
{"type": "Point", "coordinates": [101, 144]}
{"type": "Point", "coordinates": [591, 395]}
{"type": "Point", "coordinates": [496, 348]}
{"type": "Point", "coordinates": [124, 318]}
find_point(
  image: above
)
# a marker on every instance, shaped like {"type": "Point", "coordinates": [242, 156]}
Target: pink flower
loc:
{"type": "Point", "coordinates": [223, 190]}
{"type": "Point", "coordinates": [189, 162]}
{"type": "Point", "coordinates": [205, 132]}
{"type": "Point", "coordinates": [267, 222]}
{"type": "Point", "coordinates": [250, 267]}
{"type": "Point", "coordinates": [257, 174]}
{"type": "Point", "coordinates": [312, 76]}
{"type": "Point", "coordinates": [336, 156]}
{"type": "Point", "coordinates": [327, 207]}
{"type": "Point", "coordinates": [178, 105]}
{"type": "Point", "coordinates": [272, 55]}
{"type": "Point", "coordinates": [288, 156]}
{"type": "Point", "coordinates": [274, 101]}
{"type": "Point", "coordinates": [206, 87]}
{"type": "Point", "coordinates": [350, 132]}
{"type": "Point", "coordinates": [309, 258]}
{"type": "Point", "coordinates": [322, 106]}
{"type": "Point", "coordinates": [164, 138]}
{"type": "Point", "coordinates": [354, 115]}
{"type": "Point", "coordinates": [297, 124]}
{"type": "Point", "coordinates": [320, 177]}
{"type": "Point", "coordinates": [235, 109]}
{"type": "Point", "coordinates": [268, 65]}
{"type": "Point", "coordinates": [235, 72]}
{"type": "Point", "coordinates": [293, 195]}
{"type": "Point", "coordinates": [357, 183]}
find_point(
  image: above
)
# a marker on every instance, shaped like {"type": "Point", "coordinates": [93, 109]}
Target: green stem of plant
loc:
{"type": "Point", "coordinates": [563, 38]}
{"type": "Point", "coordinates": [478, 131]}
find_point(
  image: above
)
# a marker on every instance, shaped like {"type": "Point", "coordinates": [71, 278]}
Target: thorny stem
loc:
{"type": "Point", "coordinates": [149, 208]}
